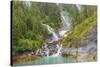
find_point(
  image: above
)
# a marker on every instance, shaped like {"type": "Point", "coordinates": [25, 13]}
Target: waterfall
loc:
{"type": "Point", "coordinates": [59, 47]}
{"type": "Point", "coordinates": [79, 7]}
{"type": "Point", "coordinates": [47, 50]}
{"type": "Point", "coordinates": [55, 38]}
{"type": "Point", "coordinates": [66, 22]}
{"type": "Point", "coordinates": [51, 31]}
{"type": "Point", "coordinates": [37, 52]}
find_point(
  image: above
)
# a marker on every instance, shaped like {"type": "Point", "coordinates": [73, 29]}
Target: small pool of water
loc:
{"type": "Point", "coordinates": [48, 60]}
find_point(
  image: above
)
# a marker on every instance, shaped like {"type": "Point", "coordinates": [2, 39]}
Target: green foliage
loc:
{"type": "Point", "coordinates": [78, 16]}
{"type": "Point", "coordinates": [28, 33]}
{"type": "Point", "coordinates": [80, 29]}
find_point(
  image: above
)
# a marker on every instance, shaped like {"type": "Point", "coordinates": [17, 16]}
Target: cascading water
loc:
{"type": "Point", "coordinates": [65, 19]}
{"type": "Point", "coordinates": [79, 7]}
{"type": "Point", "coordinates": [54, 38]}
{"type": "Point", "coordinates": [51, 31]}
{"type": "Point", "coordinates": [47, 50]}
{"type": "Point", "coordinates": [37, 52]}
{"type": "Point", "coordinates": [66, 23]}
{"type": "Point", "coordinates": [59, 47]}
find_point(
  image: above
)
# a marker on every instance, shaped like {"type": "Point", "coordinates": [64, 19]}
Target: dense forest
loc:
{"type": "Point", "coordinates": [31, 21]}
{"type": "Point", "coordinates": [27, 30]}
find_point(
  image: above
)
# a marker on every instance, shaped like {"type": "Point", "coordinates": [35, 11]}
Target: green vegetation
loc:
{"type": "Point", "coordinates": [28, 33]}
{"type": "Point", "coordinates": [78, 16]}
{"type": "Point", "coordinates": [83, 23]}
